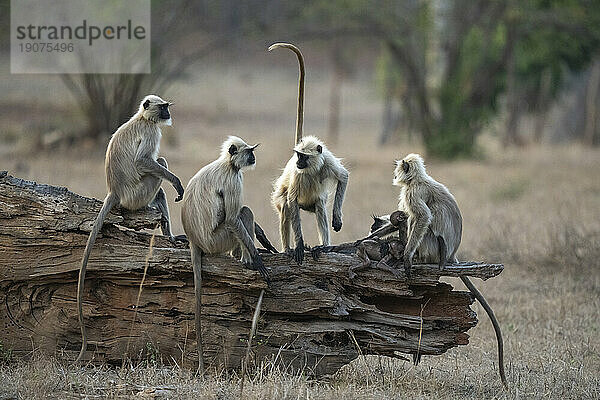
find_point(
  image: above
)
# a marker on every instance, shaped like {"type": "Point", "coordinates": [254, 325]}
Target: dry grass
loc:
{"type": "Point", "coordinates": [536, 210]}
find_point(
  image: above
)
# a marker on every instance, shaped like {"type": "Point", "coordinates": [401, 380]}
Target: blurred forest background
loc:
{"type": "Point", "coordinates": [444, 71]}
{"type": "Point", "coordinates": [502, 97]}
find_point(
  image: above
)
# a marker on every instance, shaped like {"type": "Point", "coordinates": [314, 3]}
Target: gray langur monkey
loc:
{"type": "Point", "coordinates": [134, 173]}
{"type": "Point", "coordinates": [215, 219]}
{"type": "Point", "coordinates": [434, 229]}
{"type": "Point", "coordinates": [432, 212]}
{"type": "Point", "coordinates": [307, 180]}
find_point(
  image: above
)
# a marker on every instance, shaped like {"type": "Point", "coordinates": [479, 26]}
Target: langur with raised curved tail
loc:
{"type": "Point", "coordinates": [307, 180]}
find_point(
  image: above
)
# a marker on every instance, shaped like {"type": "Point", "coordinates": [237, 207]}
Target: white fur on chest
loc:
{"type": "Point", "coordinates": [309, 188]}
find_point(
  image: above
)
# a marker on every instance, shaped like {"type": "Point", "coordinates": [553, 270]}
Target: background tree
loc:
{"type": "Point", "coordinates": [452, 66]}
{"type": "Point", "coordinates": [459, 58]}
{"type": "Point", "coordinates": [107, 100]}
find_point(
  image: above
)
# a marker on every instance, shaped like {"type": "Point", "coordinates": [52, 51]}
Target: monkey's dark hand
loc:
{"type": "Point", "coordinates": [336, 223]}
{"type": "Point", "coordinates": [316, 251]}
{"type": "Point", "coordinates": [258, 265]}
{"type": "Point", "coordinates": [179, 187]}
{"type": "Point", "coordinates": [298, 253]}
{"type": "Point", "coordinates": [180, 238]}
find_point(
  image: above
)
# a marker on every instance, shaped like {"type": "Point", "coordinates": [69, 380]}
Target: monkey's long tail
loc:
{"type": "Point", "coordinates": [490, 314]}
{"type": "Point", "coordinates": [300, 116]}
{"type": "Point", "coordinates": [197, 267]}
{"type": "Point", "coordinates": [109, 202]}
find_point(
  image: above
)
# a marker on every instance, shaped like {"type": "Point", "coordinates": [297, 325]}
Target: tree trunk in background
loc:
{"type": "Point", "coordinates": [335, 99]}
{"type": "Point", "coordinates": [542, 105]}
{"type": "Point", "coordinates": [591, 105]}
{"type": "Point", "coordinates": [511, 136]}
{"type": "Point", "coordinates": [390, 118]}
{"type": "Point", "coordinates": [314, 317]}
{"type": "Point", "coordinates": [416, 76]}
{"type": "Point", "coordinates": [340, 68]}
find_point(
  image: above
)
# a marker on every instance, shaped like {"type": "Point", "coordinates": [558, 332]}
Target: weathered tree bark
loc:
{"type": "Point", "coordinates": [313, 316]}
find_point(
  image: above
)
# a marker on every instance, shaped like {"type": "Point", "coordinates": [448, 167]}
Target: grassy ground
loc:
{"type": "Point", "coordinates": [535, 209]}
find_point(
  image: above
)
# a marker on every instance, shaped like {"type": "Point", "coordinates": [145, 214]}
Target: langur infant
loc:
{"type": "Point", "coordinates": [390, 225]}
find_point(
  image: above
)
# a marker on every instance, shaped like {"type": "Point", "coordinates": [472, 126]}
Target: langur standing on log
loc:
{"type": "Point", "coordinates": [306, 181]}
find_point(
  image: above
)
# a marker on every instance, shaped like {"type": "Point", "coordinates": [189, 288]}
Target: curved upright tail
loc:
{"type": "Point", "coordinates": [300, 117]}
{"type": "Point", "coordinates": [109, 202]}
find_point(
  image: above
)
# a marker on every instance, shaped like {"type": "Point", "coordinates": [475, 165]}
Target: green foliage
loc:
{"type": "Point", "coordinates": [562, 36]}
{"type": "Point", "coordinates": [467, 100]}
{"type": "Point", "coordinates": [539, 35]}
{"type": "Point", "coordinates": [152, 354]}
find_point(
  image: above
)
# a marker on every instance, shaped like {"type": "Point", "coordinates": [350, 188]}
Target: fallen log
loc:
{"type": "Point", "coordinates": [313, 316]}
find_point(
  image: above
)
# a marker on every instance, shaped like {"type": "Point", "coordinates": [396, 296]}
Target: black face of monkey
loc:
{"type": "Point", "coordinates": [251, 160]}
{"type": "Point", "coordinates": [164, 111]}
{"type": "Point", "coordinates": [405, 166]}
{"type": "Point", "coordinates": [302, 160]}
{"type": "Point", "coordinates": [156, 109]}
{"type": "Point", "coordinates": [242, 157]}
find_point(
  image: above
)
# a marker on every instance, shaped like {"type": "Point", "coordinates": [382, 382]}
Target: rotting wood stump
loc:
{"type": "Point", "coordinates": [313, 316]}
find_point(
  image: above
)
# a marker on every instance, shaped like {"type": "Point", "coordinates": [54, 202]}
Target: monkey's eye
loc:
{"type": "Point", "coordinates": [405, 166]}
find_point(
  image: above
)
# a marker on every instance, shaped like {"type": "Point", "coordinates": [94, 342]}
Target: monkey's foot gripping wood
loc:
{"type": "Point", "coordinates": [312, 317]}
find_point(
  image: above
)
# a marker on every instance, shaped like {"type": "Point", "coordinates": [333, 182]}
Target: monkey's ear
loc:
{"type": "Point", "coordinates": [405, 166]}
{"type": "Point", "coordinates": [319, 149]}
{"type": "Point", "coordinates": [232, 149]}
{"type": "Point", "coordinates": [146, 104]}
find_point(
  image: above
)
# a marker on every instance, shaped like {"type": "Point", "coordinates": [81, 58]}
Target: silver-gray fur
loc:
{"type": "Point", "coordinates": [305, 183]}
{"type": "Point", "coordinates": [306, 179]}
{"type": "Point", "coordinates": [212, 205]}
{"type": "Point", "coordinates": [432, 212]}
{"type": "Point", "coordinates": [435, 229]}
{"type": "Point", "coordinates": [134, 173]}
{"type": "Point", "coordinates": [214, 218]}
